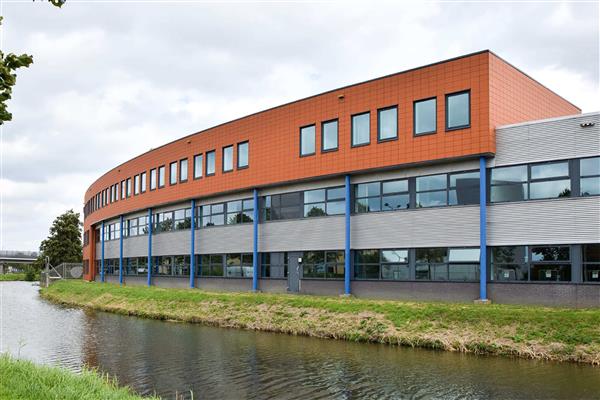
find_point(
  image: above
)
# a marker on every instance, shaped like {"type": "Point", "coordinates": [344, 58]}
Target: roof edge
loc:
{"type": "Point", "coordinates": [539, 121]}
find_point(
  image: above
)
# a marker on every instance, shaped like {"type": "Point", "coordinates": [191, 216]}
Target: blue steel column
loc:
{"type": "Point", "coordinates": [347, 240]}
{"type": "Point", "coordinates": [121, 252]}
{"type": "Point", "coordinates": [192, 246]}
{"type": "Point", "coordinates": [482, 230]}
{"type": "Point", "coordinates": [255, 244]}
{"type": "Point", "coordinates": [102, 254]}
{"type": "Point", "coordinates": [149, 246]}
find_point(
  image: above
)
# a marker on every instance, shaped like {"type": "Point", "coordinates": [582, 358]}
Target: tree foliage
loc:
{"type": "Point", "coordinates": [64, 242]}
{"type": "Point", "coordinates": [9, 64]}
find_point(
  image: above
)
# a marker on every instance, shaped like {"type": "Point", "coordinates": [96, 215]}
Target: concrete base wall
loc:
{"type": "Point", "coordinates": [322, 288]}
{"type": "Point", "coordinates": [418, 291]}
{"type": "Point", "coordinates": [555, 295]}
{"type": "Point", "coordinates": [273, 285]}
{"type": "Point", "coordinates": [224, 284]}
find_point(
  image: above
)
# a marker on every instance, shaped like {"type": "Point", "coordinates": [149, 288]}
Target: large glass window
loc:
{"type": "Point", "coordinates": [510, 263]}
{"type": "Point", "coordinates": [162, 222]}
{"type": "Point", "coordinates": [361, 129]}
{"type": "Point", "coordinates": [425, 118]}
{"type": "Point", "coordinates": [136, 185]}
{"type": "Point", "coordinates": [589, 171]}
{"type": "Point", "coordinates": [240, 211]}
{"type": "Point", "coordinates": [182, 219]}
{"type": "Point", "coordinates": [213, 214]}
{"type": "Point", "coordinates": [163, 265]}
{"type": "Point", "coordinates": [329, 135]}
{"type": "Point", "coordinates": [323, 264]}
{"type": "Point", "coordinates": [227, 158]}
{"type": "Point", "coordinates": [307, 140]}
{"type": "Point", "coordinates": [211, 265]}
{"type": "Point", "coordinates": [322, 202]}
{"type": "Point", "coordinates": [463, 264]}
{"type": "Point", "coordinates": [387, 123]}
{"type": "Point", "coordinates": [161, 176]}
{"type": "Point", "coordinates": [274, 265]}
{"type": "Point", "coordinates": [283, 206]}
{"type": "Point", "coordinates": [152, 179]}
{"type": "Point", "coordinates": [464, 188]}
{"type": "Point", "coordinates": [242, 155]}
{"type": "Point", "coordinates": [173, 173]}
{"type": "Point", "coordinates": [458, 113]}
{"type": "Point", "coordinates": [441, 264]}
{"type": "Point", "coordinates": [183, 170]}
{"type": "Point", "coordinates": [143, 181]}
{"type": "Point", "coordinates": [382, 196]}
{"type": "Point", "coordinates": [381, 264]}
{"type": "Point", "coordinates": [210, 162]}
{"type": "Point", "coordinates": [198, 166]}
{"type": "Point", "coordinates": [591, 262]}
{"type": "Point", "coordinates": [550, 263]}
{"type": "Point", "coordinates": [432, 190]}
{"type": "Point", "coordinates": [239, 265]}
{"type": "Point", "coordinates": [550, 180]}
{"type": "Point", "coordinates": [181, 265]}
{"type": "Point", "coordinates": [508, 184]}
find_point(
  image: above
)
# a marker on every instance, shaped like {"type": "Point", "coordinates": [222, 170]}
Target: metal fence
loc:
{"type": "Point", "coordinates": [61, 271]}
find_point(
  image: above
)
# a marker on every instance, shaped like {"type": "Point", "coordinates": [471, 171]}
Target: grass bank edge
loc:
{"type": "Point", "coordinates": [26, 380]}
{"type": "Point", "coordinates": [558, 334]}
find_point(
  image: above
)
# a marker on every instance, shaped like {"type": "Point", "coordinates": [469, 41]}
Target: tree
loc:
{"type": "Point", "coordinates": [64, 242]}
{"type": "Point", "coordinates": [9, 63]}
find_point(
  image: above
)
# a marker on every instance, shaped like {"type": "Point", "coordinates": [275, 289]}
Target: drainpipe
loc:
{"type": "Point", "coordinates": [102, 254]}
{"type": "Point", "coordinates": [149, 247]}
{"type": "Point", "coordinates": [255, 243]}
{"type": "Point", "coordinates": [192, 246]}
{"type": "Point", "coordinates": [121, 252]}
{"type": "Point", "coordinates": [482, 230]}
{"type": "Point", "coordinates": [347, 240]}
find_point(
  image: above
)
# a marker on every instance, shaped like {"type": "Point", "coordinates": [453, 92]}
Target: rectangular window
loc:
{"type": "Point", "coordinates": [307, 140]}
{"type": "Point", "coordinates": [361, 129]}
{"type": "Point", "coordinates": [431, 264]}
{"type": "Point", "coordinates": [323, 264]}
{"type": "Point", "coordinates": [161, 176]}
{"type": "Point", "coordinates": [382, 264]}
{"type": "Point", "coordinates": [210, 163]}
{"type": "Point", "coordinates": [329, 135]}
{"type": "Point", "coordinates": [123, 190]}
{"type": "Point", "coordinates": [128, 187]}
{"type": "Point", "coordinates": [550, 263]}
{"type": "Point", "coordinates": [198, 166]}
{"type": "Point", "coordinates": [117, 191]}
{"type": "Point", "coordinates": [431, 191]}
{"type": "Point", "coordinates": [508, 184]}
{"type": "Point", "coordinates": [458, 110]}
{"type": "Point", "coordinates": [210, 265]}
{"type": "Point", "coordinates": [182, 219]}
{"type": "Point", "coordinates": [239, 266]}
{"type": "Point", "coordinates": [136, 185]}
{"type": "Point", "coordinates": [589, 171]}
{"type": "Point", "coordinates": [181, 265]}
{"type": "Point", "coordinates": [162, 222]}
{"type": "Point", "coordinates": [227, 158]}
{"type": "Point", "coordinates": [510, 263]}
{"type": "Point", "coordinates": [274, 265]}
{"type": "Point", "coordinates": [283, 206]}
{"type": "Point", "coordinates": [242, 155]}
{"type": "Point", "coordinates": [387, 123]}
{"type": "Point", "coordinates": [322, 202]}
{"type": "Point", "coordinates": [183, 170]}
{"type": "Point", "coordinates": [464, 188]}
{"type": "Point", "coordinates": [591, 262]}
{"type": "Point", "coordinates": [143, 182]}
{"type": "Point", "coordinates": [240, 211]}
{"type": "Point", "coordinates": [212, 215]}
{"type": "Point", "coordinates": [152, 179]}
{"type": "Point", "coordinates": [173, 173]}
{"type": "Point", "coordinates": [550, 180]}
{"type": "Point", "coordinates": [425, 116]}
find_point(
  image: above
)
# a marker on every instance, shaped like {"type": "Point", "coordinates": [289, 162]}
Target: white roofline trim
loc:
{"type": "Point", "coordinates": [550, 120]}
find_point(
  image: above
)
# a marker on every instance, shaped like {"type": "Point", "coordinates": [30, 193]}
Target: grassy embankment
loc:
{"type": "Point", "coordinates": [532, 332]}
{"type": "Point", "coordinates": [25, 380]}
{"type": "Point", "coordinates": [12, 277]}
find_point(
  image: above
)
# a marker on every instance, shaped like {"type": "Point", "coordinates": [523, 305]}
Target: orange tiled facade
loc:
{"type": "Point", "coordinates": [499, 94]}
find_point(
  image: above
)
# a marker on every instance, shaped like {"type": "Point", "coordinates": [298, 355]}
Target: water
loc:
{"type": "Point", "coordinates": [165, 358]}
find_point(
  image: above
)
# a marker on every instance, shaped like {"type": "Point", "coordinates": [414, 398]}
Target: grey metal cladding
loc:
{"type": "Point", "coordinates": [547, 140]}
{"type": "Point", "coordinates": [224, 239]}
{"type": "Point", "coordinates": [98, 250]}
{"type": "Point", "coordinates": [171, 243]}
{"type": "Point", "coordinates": [135, 246]}
{"type": "Point", "coordinates": [555, 221]}
{"type": "Point", "coordinates": [425, 227]}
{"type": "Point", "coordinates": [111, 249]}
{"type": "Point", "coordinates": [325, 233]}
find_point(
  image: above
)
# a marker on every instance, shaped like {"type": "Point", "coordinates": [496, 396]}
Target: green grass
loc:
{"type": "Point", "coordinates": [21, 379]}
{"type": "Point", "coordinates": [534, 332]}
{"type": "Point", "coordinates": [12, 277]}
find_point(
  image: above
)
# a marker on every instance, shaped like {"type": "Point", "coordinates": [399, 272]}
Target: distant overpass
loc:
{"type": "Point", "coordinates": [11, 257]}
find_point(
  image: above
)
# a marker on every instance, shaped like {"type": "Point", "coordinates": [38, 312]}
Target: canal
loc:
{"type": "Point", "coordinates": [165, 358]}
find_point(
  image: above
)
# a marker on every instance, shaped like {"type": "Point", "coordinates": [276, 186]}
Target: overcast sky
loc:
{"type": "Point", "coordinates": [111, 80]}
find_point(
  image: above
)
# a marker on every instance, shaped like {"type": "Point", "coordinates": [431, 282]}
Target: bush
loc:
{"type": "Point", "coordinates": [31, 274]}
